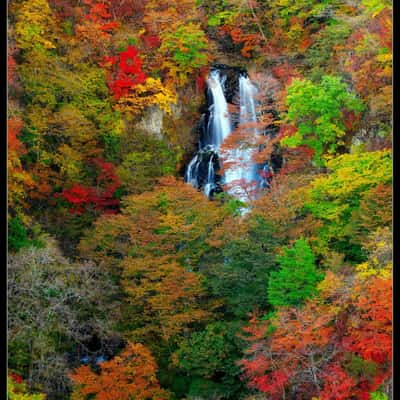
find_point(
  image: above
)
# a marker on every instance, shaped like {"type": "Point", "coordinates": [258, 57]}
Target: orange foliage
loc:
{"type": "Point", "coordinates": [172, 220]}
{"type": "Point", "coordinates": [166, 297]}
{"type": "Point", "coordinates": [297, 159]}
{"type": "Point", "coordinates": [45, 179]}
{"type": "Point", "coordinates": [131, 374]}
{"type": "Point", "coordinates": [371, 64]}
{"type": "Point", "coordinates": [375, 212]}
{"type": "Point", "coordinates": [297, 343]}
{"type": "Point", "coordinates": [249, 41]}
{"type": "Point", "coordinates": [165, 15]}
{"type": "Point", "coordinates": [155, 244]}
{"type": "Point", "coordinates": [94, 22]}
{"type": "Point", "coordinates": [370, 331]}
{"type": "Point", "coordinates": [308, 347]}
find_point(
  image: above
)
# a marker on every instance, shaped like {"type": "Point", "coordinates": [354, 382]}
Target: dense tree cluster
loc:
{"type": "Point", "coordinates": [126, 283]}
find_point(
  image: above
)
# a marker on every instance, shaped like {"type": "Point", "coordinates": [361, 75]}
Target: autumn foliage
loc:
{"type": "Point", "coordinates": [317, 348]}
{"type": "Point", "coordinates": [279, 289]}
{"type": "Point", "coordinates": [127, 72]}
{"type": "Point", "coordinates": [95, 22]}
{"type": "Point", "coordinates": [131, 374]}
{"type": "Point", "coordinates": [101, 197]}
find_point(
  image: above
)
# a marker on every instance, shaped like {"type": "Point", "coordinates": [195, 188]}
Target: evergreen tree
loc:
{"type": "Point", "coordinates": [296, 280]}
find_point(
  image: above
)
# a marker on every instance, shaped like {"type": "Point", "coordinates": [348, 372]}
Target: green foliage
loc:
{"type": "Point", "coordinates": [222, 13]}
{"type": "Point", "coordinates": [17, 235]}
{"type": "Point", "coordinates": [303, 8]}
{"type": "Point", "coordinates": [239, 271]}
{"type": "Point", "coordinates": [297, 279]}
{"type": "Point", "coordinates": [374, 7]}
{"type": "Point", "coordinates": [145, 159]}
{"type": "Point", "coordinates": [320, 57]}
{"type": "Point", "coordinates": [233, 205]}
{"type": "Point", "coordinates": [186, 47]}
{"type": "Point", "coordinates": [21, 235]}
{"type": "Point", "coordinates": [357, 367]}
{"type": "Point", "coordinates": [221, 18]}
{"type": "Point", "coordinates": [335, 197]}
{"type": "Point", "coordinates": [378, 396]}
{"type": "Point", "coordinates": [317, 112]}
{"type": "Point", "coordinates": [209, 359]}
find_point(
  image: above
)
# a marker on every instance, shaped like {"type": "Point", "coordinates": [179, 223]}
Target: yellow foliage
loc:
{"type": "Point", "coordinates": [70, 162]}
{"type": "Point", "coordinates": [379, 263]}
{"type": "Point", "coordinates": [152, 92]}
{"type": "Point", "coordinates": [18, 181]}
{"type": "Point", "coordinates": [19, 391]}
{"type": "Point", "coordinates": [367, 270]}
{"type": "Point", "coordinates": [384, 58]}
{"type": "Point", "coordinates": [174, 75]}
{"type": "Point", "coordinates": [35, 26]}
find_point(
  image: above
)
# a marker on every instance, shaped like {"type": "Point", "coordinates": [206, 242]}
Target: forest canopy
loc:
{"type": "Point", "coordinates": [199, 199]}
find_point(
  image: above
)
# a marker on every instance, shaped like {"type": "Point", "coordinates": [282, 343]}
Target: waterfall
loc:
{"type": "Point", "coordinates": [191, 176]}
{"type": "Point", "coordinates": [243, 170]}
{"type": "Point", "coordinates": [210, 177]}
{"type": "Point", "coordinates": [219, 122]}
{"type": "Point", "coordinates": [247, 93]}
{"type": "Point", "coordinates": [200, 171]}
{"type": "Point", "coordinates": [240, 169]}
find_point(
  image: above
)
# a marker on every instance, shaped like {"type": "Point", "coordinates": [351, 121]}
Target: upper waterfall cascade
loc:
{"type": "Point", "coordinates": [239, 167]}
{"type": "Point", "coordinates": [219, 122]}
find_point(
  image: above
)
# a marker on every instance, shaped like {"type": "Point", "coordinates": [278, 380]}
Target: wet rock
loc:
{"type": "Point", "coordinates": [199, 168]}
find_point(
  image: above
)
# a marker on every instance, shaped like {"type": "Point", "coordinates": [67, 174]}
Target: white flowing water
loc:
{"type": "Point", "coordinates": [248, 92]}
{"type": "Point", "coordinates": [210, 177]}
{"type": "Point", "coordinates": [241, 170]}
{"type": "Point", "coordinates": [219, 122]}
{"type": "Point", "coordinates": [218, 129]}
{"type": "Point", "coordinates": [190, 172]}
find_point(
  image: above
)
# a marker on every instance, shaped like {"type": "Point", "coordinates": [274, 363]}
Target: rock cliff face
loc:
{"type": "Point", "coordinates": [152, 122]}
